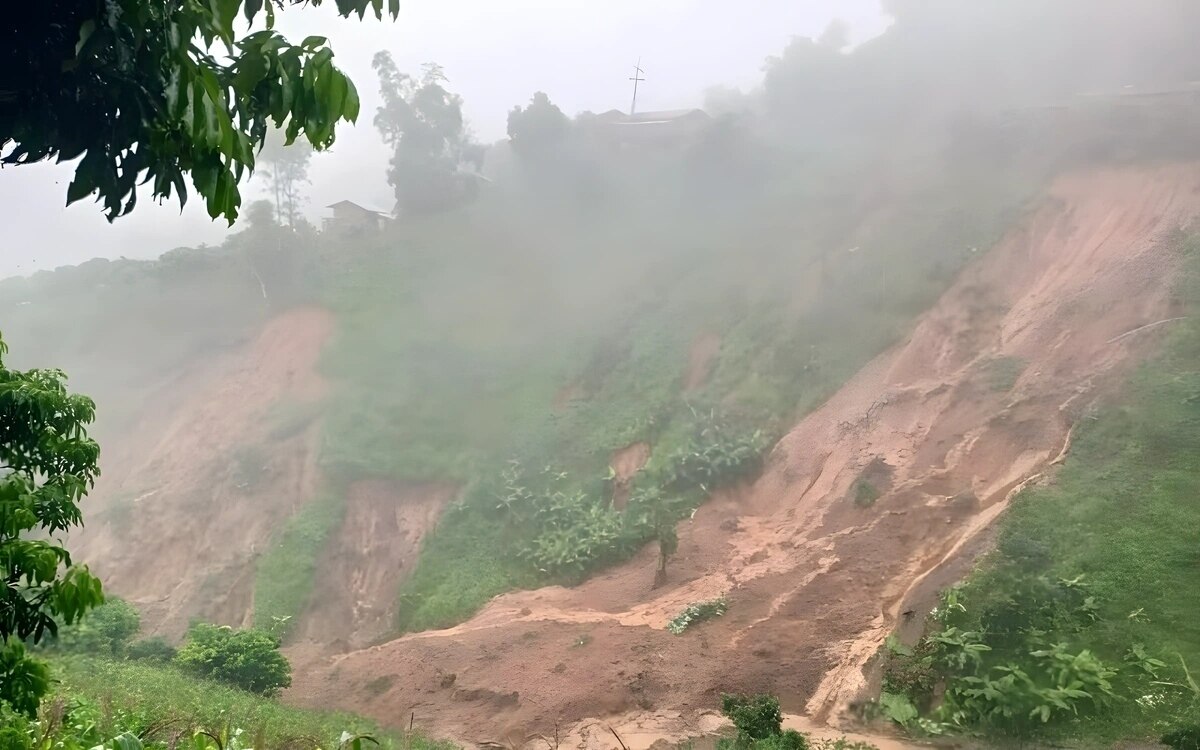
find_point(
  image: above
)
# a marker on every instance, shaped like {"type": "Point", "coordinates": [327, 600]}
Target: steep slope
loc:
{"type": "Point", "coordinates": [191, 496]}
{"type": "Point", "coordinates": [863, 507]}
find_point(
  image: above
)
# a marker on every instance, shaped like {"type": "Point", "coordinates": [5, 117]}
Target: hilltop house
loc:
{"type": "Point", "coordinates": [666, 128]}
{"type": "Point", "coordinates": [351, 218]}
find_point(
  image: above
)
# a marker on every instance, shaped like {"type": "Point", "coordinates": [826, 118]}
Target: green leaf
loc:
{"type": "Point", "coordinates": [85, 32]}
{"type": "Point", "coordinates": [350, 111]}
{"type": "Point", "coordinates": [251, 9]}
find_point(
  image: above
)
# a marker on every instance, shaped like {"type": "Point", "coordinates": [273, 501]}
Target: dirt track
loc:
{"type": "Point", "coordinates": [978, 401]}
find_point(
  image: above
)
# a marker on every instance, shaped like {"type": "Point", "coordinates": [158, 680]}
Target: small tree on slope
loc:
{"type": "Point", "coordinates": [47, 465]}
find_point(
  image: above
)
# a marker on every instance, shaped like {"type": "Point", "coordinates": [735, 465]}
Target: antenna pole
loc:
{"type": "Point", "coordinates": [637, 77]}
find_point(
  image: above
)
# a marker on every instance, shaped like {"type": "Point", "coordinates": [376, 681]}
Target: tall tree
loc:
{"type": "Point", "coordinates": [151, 91]}
{"type": "Point", "coordinates": [286, 169]}
{"type": "Point", "coordinates": [47, 465]}
{"type": "Point", "coordinates": [433, 153]}
{"type": "Point", "coordinates": [540, 128]}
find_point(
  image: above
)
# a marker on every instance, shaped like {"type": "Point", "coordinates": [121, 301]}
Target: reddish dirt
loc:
{"type": "Point", "coordinates": [814, 581]}
{"type": "Point", "coordinates": [625, 464]}
{"type": "Point", "coordinates": [567, 395]}
{"type": "Point", "coordinates": [192, 495]}
{"type": "Point", "coordinates": [701, 357]}
{"type": "Point", "coordinates": [360, 571]}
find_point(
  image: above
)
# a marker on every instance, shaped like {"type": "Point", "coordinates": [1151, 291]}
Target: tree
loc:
{"type": "Point", "coordinates": [432, 149]}
{"type": "Point", "coordinates": [540, 128]}
{"type": "Point", "coordinates": [286, 169]}
{"type": "Point", "coordinates": [249, 659]}
{"type": "Point", "coordinates": [107, 629]}
{"type": "Point", "coordinates": [47, 465]}
{"type": "Point", "coordinates": [151, 91]}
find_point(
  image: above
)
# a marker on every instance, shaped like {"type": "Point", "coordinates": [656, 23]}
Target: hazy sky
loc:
{"type": "Point", "coordinates": [496, 54]}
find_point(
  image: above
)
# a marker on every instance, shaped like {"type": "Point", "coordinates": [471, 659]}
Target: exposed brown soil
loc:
{"type": "Point", "coordinates": [625, 464]}
{"type": "Point", "coordinates": [361, 569]}
{"type": "Point", "coordinates": [567, 395]}
{"type": "Point", "coordinates": [701, 357]}
{"type": "Point", "coordinates": [816, 582]}
{"type": "Point", "coordinates": [191, 496]}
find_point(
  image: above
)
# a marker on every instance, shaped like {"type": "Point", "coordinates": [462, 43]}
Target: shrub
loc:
{"type": "Point", "coordinates": [755, 717]}
{"type": "Point", "coordinates": [1183, 738]}
{"type": "Point", "coordinates": [151, 649]}
{"type": "Point", "coordinates": [248, 659]}
{"type": "Point", "coordinates": [788, 739]}
{"type": "Point", "coordinates": [865, 494]}
{"type": "Point", "coordinates": [106, 630]}
{"type": "Point", "coordinates": [697, 612]}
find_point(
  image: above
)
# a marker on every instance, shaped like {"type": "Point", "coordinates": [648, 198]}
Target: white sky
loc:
{"type": "Point", "coordinates": [496, 54]}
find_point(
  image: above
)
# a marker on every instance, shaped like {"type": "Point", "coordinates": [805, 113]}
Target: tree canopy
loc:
{"type": "Point", "coordinates": [144, 91]}
{"type": "Point", "coordinates": [424, 125]}
{"type": "Point", "coordinates": [47, 464]}
{"type": "Point", "coordinates": [539, 128]}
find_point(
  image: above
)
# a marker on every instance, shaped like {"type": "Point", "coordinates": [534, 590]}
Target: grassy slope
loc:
{"type": "Point", "coordinates": [455, 337]}
{"type": "Point", "coordinates": [144, 698]}
{"type": "Point", "coordinates": [1123, 514]}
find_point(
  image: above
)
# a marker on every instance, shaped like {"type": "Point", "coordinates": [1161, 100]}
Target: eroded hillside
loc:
{"type": "Point", "coordinates": [944, 428]}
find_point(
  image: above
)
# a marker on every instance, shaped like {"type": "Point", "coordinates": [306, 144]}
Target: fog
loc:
{"type": "Point", "coordinates": [495, 55]}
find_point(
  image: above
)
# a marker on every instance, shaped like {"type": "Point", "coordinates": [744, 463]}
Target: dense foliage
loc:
{"type": "Point", "coordinates": [47, 465]}
{"type": "Point", "coordinates": [147, 91]}
{"type": "Point", "coordinates": [1074, 625]}
{"type": "Point", "coordinates": [107, 630]}
{"type": "Point", "coordinates": [759, 724]}
{"type": "Point", "coordinates": [249, 659]}
{"type": "Point", "coordinates": [432, 151]}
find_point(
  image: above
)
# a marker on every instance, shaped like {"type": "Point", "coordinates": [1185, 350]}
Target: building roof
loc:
{"type": "Point", "coordinates": [355, 207]}
{"type": "Point", "coordinates": [617, 117]}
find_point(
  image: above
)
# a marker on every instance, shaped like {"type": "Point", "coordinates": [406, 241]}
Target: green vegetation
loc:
{"type": "Point", "coordinates": [1074, 626]}
{"type": "Point", "coordinates": [97, 700]}
{"type": "Point", "coordinates": [47, 465]}
{"type": "Point", "coordinates": [285, 571]}
{"type": "Point", "coordinates": [758, 722]}
{"type": "Point", "coordinates": [1001, 373]}
{"type": "Point", "coordinates": [106, 630]}
{"type": "Point", "coordinates": [697, 612]}
{"type": "Point", "coordinates": [865, 493]}
{"type": "Point", "coordinates": [135, 89]}
{"type": "Point", "coordinates": [248, 659]}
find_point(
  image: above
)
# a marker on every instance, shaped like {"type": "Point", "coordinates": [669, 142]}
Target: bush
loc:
{"type": "Point", "coordinates": [756, 717]}
{"type": "Point", "coordinates": [105, 630]}
{"type": "Point", "coordinates": [865, 494]}
{"type": "Point", "coordinates": [1183, 738]}
{"type": "Point", "coordinates": [697, 612]}
{"type": "Point", "coordinates": [248, 659]}
{"type": "Point", "coordinates": [151, 649]}
{"type": "Point", "coordinates": [788, 739]}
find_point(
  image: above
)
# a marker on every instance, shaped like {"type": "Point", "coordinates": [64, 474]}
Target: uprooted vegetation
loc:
{"type": "Point", "coordinates": [1075, 626]}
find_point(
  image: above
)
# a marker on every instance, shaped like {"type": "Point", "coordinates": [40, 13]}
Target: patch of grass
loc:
{"type": "Point", "coordinates": [136, 696]}
{"type": "Point", "coordinates": [1088, 571]}
{"type": "Point", "coordinates": [285, 571]}
{"type": "Point", "coordinates": [865, 493]}
{"type": "Point", "coordinates": [1002, 373]}
{"type": "Point", "coordinates": [289, 417]}
{"type": "Point", "coordinates": [697, 612]}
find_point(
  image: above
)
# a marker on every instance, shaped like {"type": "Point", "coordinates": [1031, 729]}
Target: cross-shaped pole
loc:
{"type": "Point", "coordinates": [637, 77]}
